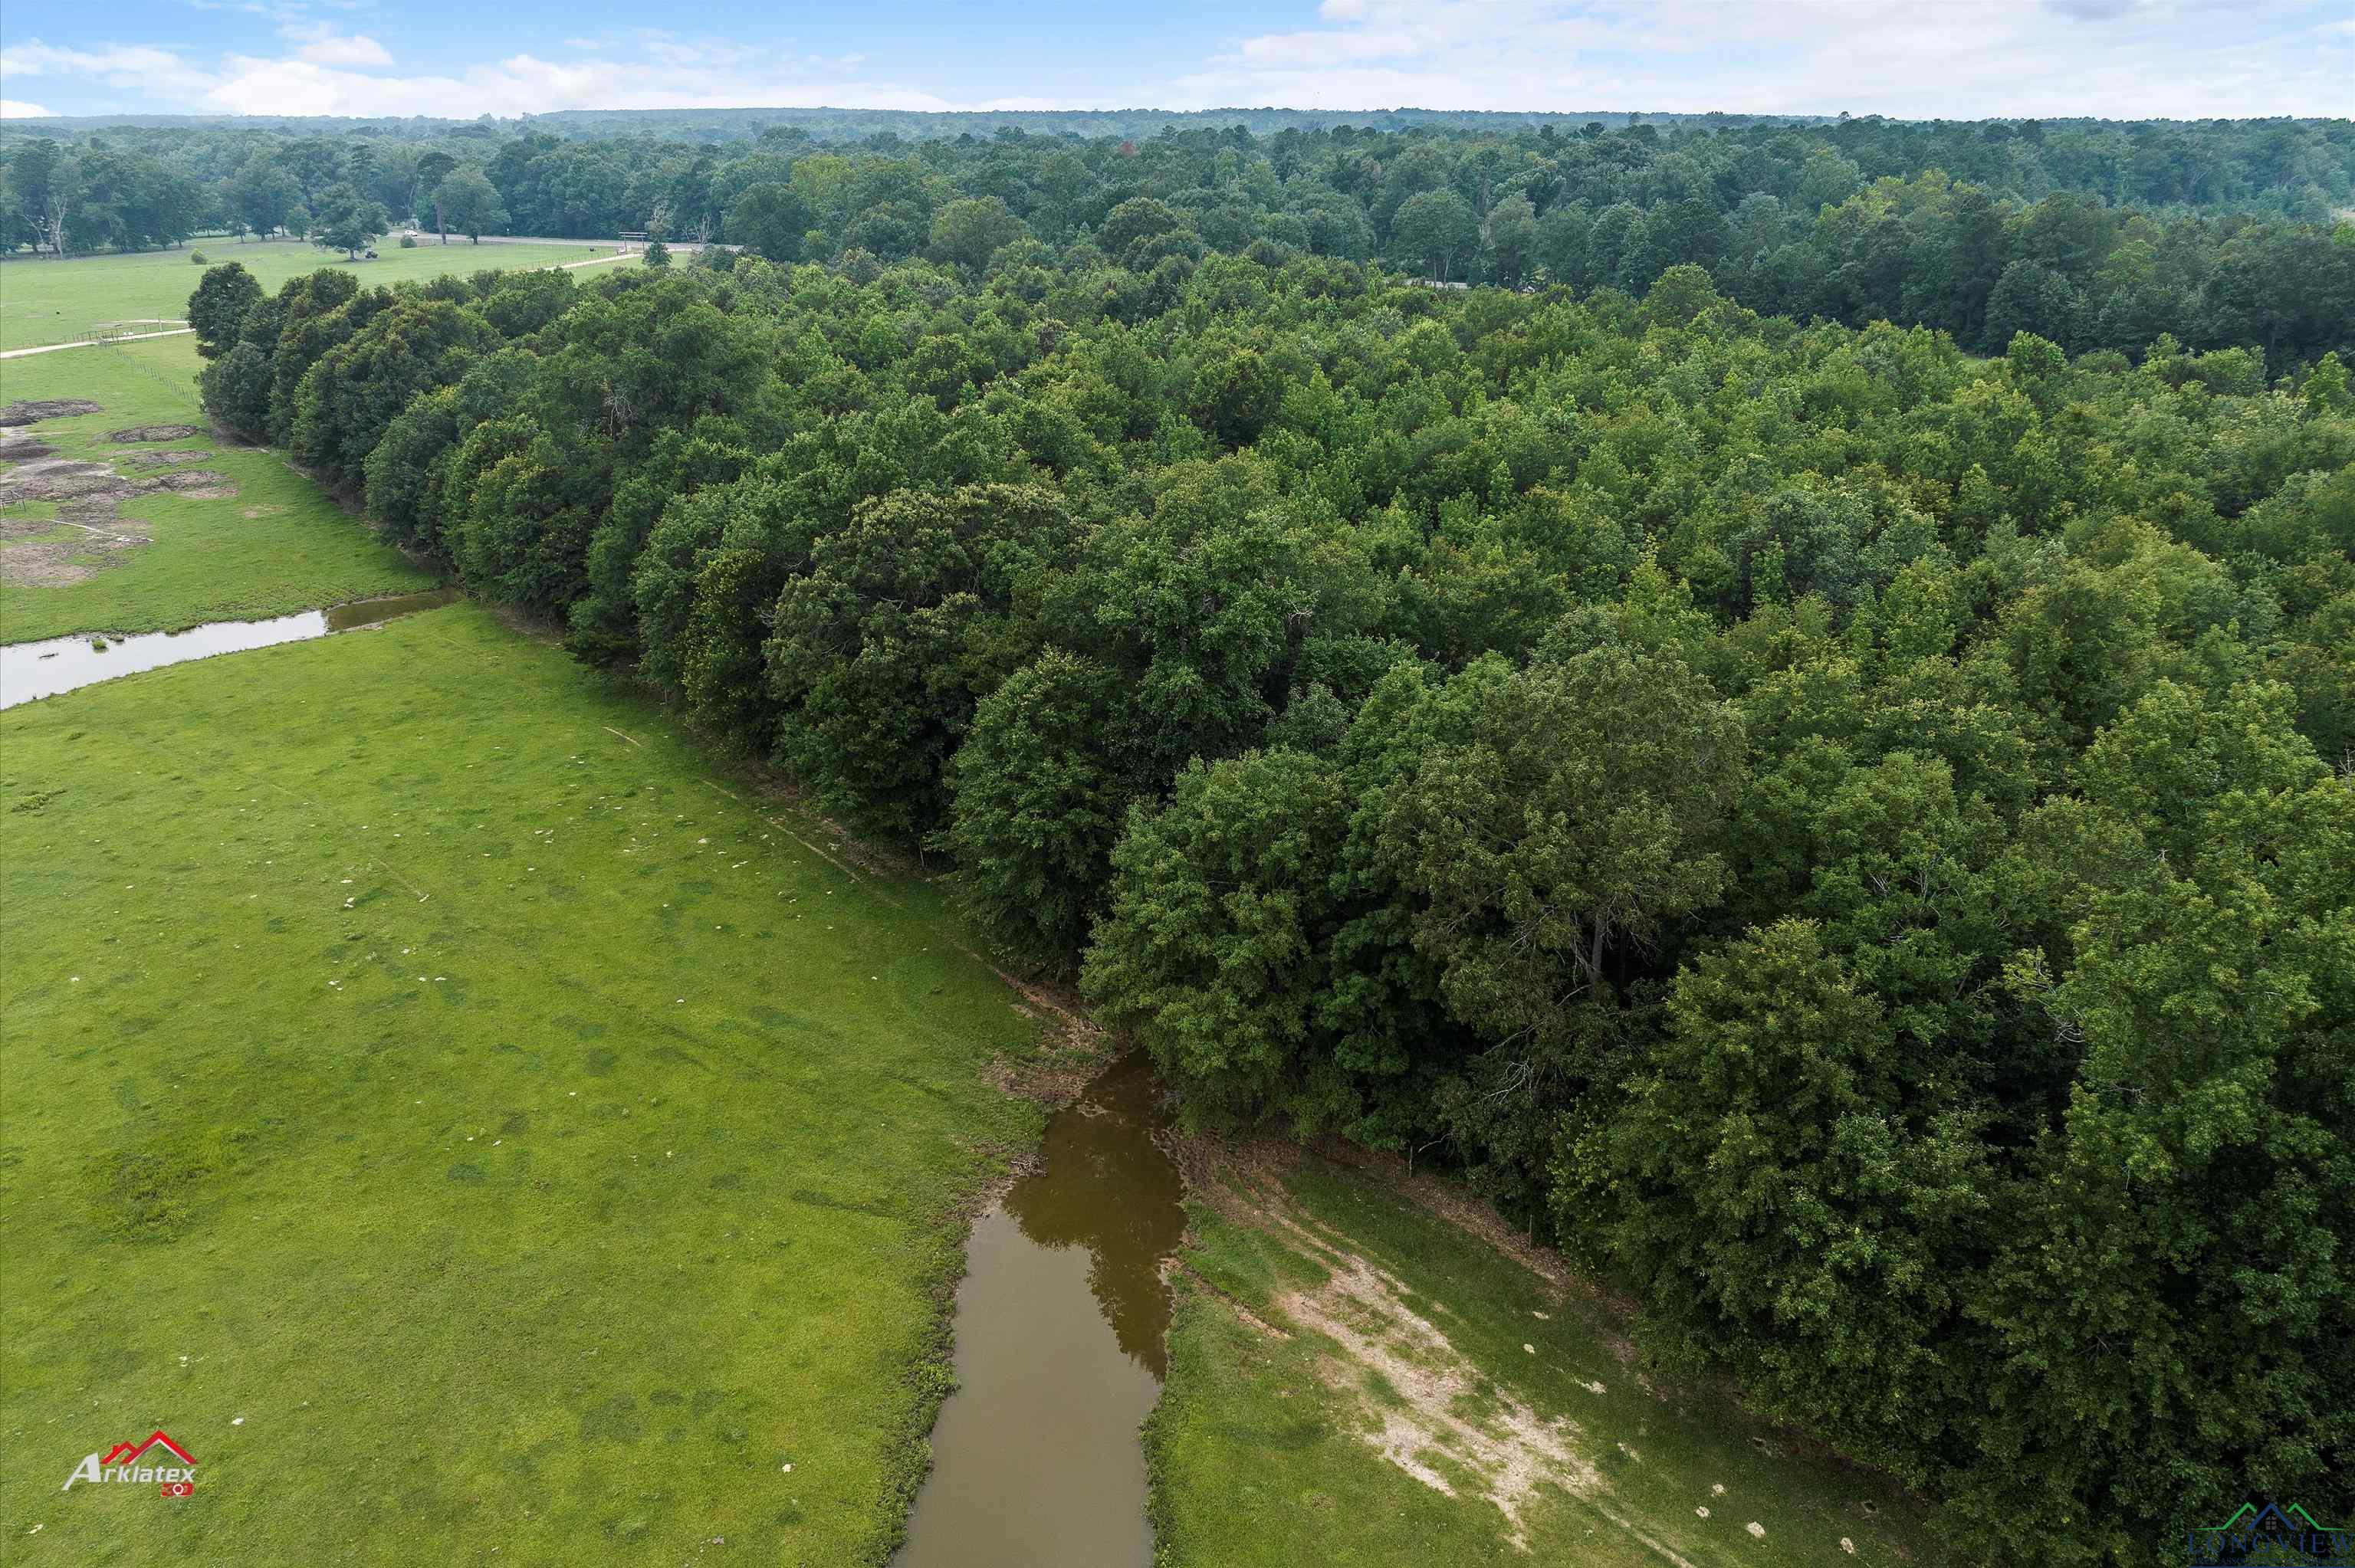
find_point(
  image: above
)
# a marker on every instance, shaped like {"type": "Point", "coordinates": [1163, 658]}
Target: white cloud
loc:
{"type": "Point", "coordinates": [332, 73]}
{"type": "Point", "coordinates": [18, 109]}
{"type": "Point", "coordinates": [323, 45]}
{"type": "Point", "coordinates": [141, 67]}
{"type": "Point", "coordinates": [1956, 58]}
{"type": "Point", "coordinates": [2184, 59]}
{"type": "Point", "coordinates": [525, 84]}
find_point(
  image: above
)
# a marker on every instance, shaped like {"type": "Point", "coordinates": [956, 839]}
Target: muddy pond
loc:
{"type": "Point", "coordinates": [1061, 1327]}
{"type": "Point", "coordinates": [31, 670]}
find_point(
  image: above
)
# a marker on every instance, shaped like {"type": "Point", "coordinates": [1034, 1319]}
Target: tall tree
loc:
{"type": "Point", "coordinates": [217, 310]}
{"type": "Point", "coordinates": [344, 220]}
{"type": "Point", "coordinates": [770, 220]}
{"type": "Point", "coordinates": [1436, 231]}
{"type": "Point", "coordinates": [432, 167]}
{"type": "Point", "coordinates": [469, 203]}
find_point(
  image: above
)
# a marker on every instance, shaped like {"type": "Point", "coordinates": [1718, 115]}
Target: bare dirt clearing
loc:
{"type": "Point", "coordinates": [28, 411]}
{"type": "Point", "coordinates": [91, 496]}
{"type": "Point", "coordinates": [154, 432]}
{"type": "Point", "coordinates": [1437, 1416]}
{"type": "Point", "coordinates": [1342, 1327]}
{"type": "Point", "coordinates": [172, 456]}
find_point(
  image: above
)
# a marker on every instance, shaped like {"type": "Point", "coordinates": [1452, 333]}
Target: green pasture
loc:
{"type": "Point", "coordinates": [474, 1132]}
{"type": "Point", "coordinates": [44, 302]}
{"type": "Point", "coordinates": [279, 545]}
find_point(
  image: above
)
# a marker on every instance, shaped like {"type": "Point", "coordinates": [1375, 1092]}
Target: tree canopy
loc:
{"type": "Point", "coordinates": [1847, 833]}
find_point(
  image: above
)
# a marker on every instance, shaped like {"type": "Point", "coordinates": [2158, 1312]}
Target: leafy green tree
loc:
{"type": "Point", "coordinates": [1549, 823]}
{"type": "Point", "coordinates": [1814, 1214]}
{"type": "Point", "coordinates": [264, 198]}
{"type": "Point", "coordinates": [901, 622]}
{"type": "Point", "coordinates": [432, 166]}
{"type": "Point", "coordinates": [968, 233]}
{"type": "Point", "coordinates": [315, 313]}
{"type": "Point", "coordinates": [217, 310]}
{"type": "Point", "coordinates": [469, 203]}
{"type": "Point", "coordinates": [404, 473]}
{"type": "Point", "coordinates": [1235, 393]}
{"type": "Point", "coordinates": [1436, 231]}
{"type": "Point", "coordinates": [2030, 297]}
{"type": "Point", "coordinates": [43, 193]}
{"type": "Point", "coordinates": [342, 220]}
{"type": "Point", "coordinates": [2170, 1296]}
{"type": "Point", "coordinates": [1135, 223]}
{"type": "Point", "coordinates": [770, 219]}
{"type": "Point", "coordinates": [1512, 239]}
{"type": "Point", "coordinates": [1038, 792]}
{"type": "Point", "coordinates": [1216, 947]}
{"type": "Point", "coordinates": [1544, 827]}
{"type": "Point", "coordinates": [346, 400]}
{"type": "Point", "coordinates": [236, 391]}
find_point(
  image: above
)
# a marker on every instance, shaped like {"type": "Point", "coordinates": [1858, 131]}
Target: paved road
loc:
{"type": "Point", "coordinates": [427, 236]}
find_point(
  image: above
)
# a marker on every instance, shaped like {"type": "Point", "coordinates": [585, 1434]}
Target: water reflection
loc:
{"type": "Point", "coordinates": [1060, 1351]}
{"type": "Point", "coordinates": [31, 670]}
{"type": "Point", "coordinates": [1105, 1185]}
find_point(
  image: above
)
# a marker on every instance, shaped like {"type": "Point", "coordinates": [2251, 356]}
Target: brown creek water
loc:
{"type": "Point", "coordinates": [1060, 1349]}
{"type": "Point", "coordinates": [31, 670]}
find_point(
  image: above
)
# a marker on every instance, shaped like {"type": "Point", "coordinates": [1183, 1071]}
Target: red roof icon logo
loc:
{"type": "Point", "coordinates": [125, 1453]}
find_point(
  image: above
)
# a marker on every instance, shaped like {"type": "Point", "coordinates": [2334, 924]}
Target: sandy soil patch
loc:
{"type": "Point", "coordinates": [1509, 1447]}
{"type": "Point", "coordinates": [23, 449]}
{"type": "Point", "coordinates": [1449, 1420]}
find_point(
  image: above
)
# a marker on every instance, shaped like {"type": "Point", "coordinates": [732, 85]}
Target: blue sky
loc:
{"type": "Point", "coordinates": [1958, 58]}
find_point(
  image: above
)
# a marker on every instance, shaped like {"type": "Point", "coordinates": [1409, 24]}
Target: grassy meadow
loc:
{"type": "Point", "coordinates": [462, 1125]}
{"type": "Point", "coordinates": [44, 302]}
{"type": "Point", "coordinates": [1331, 1332]}
{"type": "Point", "coordinates": [278, 545]}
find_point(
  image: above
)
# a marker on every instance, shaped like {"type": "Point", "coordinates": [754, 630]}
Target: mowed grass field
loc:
{"type": "Point", "coordinates": [44, 302]}
{"type": "Point", "coordinates": [1380, 1337]}
{"type": "Point", "coordinates": [278, 545]}
{"type": "Point", "coordinates": [464, 1127]}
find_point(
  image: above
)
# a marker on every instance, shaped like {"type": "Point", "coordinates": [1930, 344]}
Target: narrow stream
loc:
{"type": "Point", "coordinates": [1060, 1351]}
{"type": "Point", "coordinates": [31, 670]}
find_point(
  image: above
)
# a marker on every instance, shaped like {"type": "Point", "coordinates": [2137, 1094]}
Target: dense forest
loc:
{"type": "Point", "coordinates": [2092, 235]}
{"type": "Point", "coordinates": [1849, 837]}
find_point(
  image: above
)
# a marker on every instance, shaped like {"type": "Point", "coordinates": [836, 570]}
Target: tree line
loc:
{"type": "Point", "coordinates": [2090, 237]}
{"type": "Point", "coordinates": [1848, 838]}
{"type": "Point", "coordinates": [1934, 223]}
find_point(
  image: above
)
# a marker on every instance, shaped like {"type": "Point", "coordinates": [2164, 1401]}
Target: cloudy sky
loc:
{"type": "Point", "coordinates": [1957, 59]}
